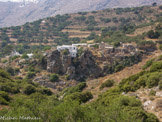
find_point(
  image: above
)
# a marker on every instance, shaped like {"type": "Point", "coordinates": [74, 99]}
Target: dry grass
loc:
{"type": "Point", "coordinates": [117, 77]}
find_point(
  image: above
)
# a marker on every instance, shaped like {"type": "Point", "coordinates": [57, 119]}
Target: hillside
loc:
{"type": "Point", "coordinates": [128, 99]}
{"type": "Point", "coordinates": [114, 74]}
{"type": "Point", "coordinates": [24, 100]}
{"type": "Point", "coordinates": [13, 13]}
{"type": "Point", "coordinates": [81, 27]}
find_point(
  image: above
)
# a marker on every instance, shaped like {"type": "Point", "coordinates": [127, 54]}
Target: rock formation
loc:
{"type": "Point", "coordinates": [88, 65]}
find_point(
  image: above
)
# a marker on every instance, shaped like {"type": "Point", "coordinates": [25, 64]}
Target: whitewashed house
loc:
{"type": "Point", "coordinates": [30, 55]}
{"type": "Point", "coordinates": [14, 53]}
{"type": "Point", "coordinates": [72, 49]}
{"type": "Point", "coordinates": [43, 21]}
{"type": "Point", "coordinates": [80, 44]}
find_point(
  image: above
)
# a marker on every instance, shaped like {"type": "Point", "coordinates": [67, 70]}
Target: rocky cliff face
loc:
{"type": "Point", "coordinates": [77, 68]}
{"type": "Point", "coordinates": [88, 65]}
{"type": "Point", "coordinates": [12, 13]}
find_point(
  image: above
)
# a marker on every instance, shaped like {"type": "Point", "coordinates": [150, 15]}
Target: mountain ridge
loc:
{"type": "Point", "coordinates": [12, 13]}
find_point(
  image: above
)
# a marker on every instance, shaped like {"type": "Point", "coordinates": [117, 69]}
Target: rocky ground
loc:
{"type": "Point", "coordinates": [151, 103]}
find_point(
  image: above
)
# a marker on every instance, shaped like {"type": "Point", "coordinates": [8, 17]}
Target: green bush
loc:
{"type": "Point", "coordinates": [160, 84]}
{"type": "Point", "coordinates": [133, 82]}
{"type": "Point", "coordinates": [129, 101]}
{"type": "Point", "coordinates": [135, 102]}
{"type": "Point", "coordinates": [82, 97]}
{"type": "Point", "coordinates": [54, 78]}
{"type": "Point", "coordinates": [148, 46]}
{"type": "Point", "coordinates": [116, 44]}
{"type": "Point", "coordinates": [153, 79]}
{"type": "Point", "coordinates": [152, 93]}
{"type": "Point", "coordinates": [119, 67]}
{"type": "Point", "coordinates": [3, 101]}
{"type": "Point", "coordinates": [30, 75]}
{"type": "Point", "coordinates": [159, 58]}
{"type": "Point", "coordinates": [105, 20]}
{"type": "Point", "coordinates": [108, 83]}
{"type": "Point", "coordinates": [4, 98]}
{"type": "Point", "coordinates": [127, 87]}
{"type": "Point", "coordinates": [156, 66]}
{"type": "Point", "coordinates": [10, 87]}
{"type": "Point", "coordinates": [153, 35]}
{"type": "Point", "coordinates": [29, 89]}
{"type": "Point", "coordinates": [24, 56]}
{"type": "Point", "coordinates": [15, 57]}
{"type": "Point", "coordinates": [4, 61]}
{"type": "Point", "coordinates": [78, 88]}
{"type": "Point", "coordinates": [160, 46]}
{"type": "Point", "coordinates": [47, 91]}
{"type": "Point", "coordinates": [151, 118]}
{"type": "Point", "coordinates": [80, 18]}
{"type": "Point", "coordinates": [11, 70]}
{"type": "Point", "coordinates": [4, 74]}
{"type": "Point", "coordinates": [124, 101]}
{"type": "Point", "coordinates": [141, 81]}
{"type": "Point", "coordinates": [65, 52]}
{"type": "Point", "coordinates": [148, 64]}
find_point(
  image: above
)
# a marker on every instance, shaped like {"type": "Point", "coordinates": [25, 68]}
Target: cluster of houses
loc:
{"type": "Point", "coordinates": [73, 49]}
{"type": "Point", "coordinates": [102, 46]}
{"type": "Point", "coordinates": [15, 53]}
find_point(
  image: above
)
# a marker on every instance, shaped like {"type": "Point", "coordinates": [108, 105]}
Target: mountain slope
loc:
{"type": "Point", "coordinates": [12, 14]}
{"type": "Point", "coordinates": [74, 28]}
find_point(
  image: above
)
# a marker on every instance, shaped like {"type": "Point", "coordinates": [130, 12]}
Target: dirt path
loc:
{"type": "Point", "coordinates": [94, 85]}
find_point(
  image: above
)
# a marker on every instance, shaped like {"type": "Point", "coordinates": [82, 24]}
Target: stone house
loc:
{"type": "Point", "coordinates": [72, 49]}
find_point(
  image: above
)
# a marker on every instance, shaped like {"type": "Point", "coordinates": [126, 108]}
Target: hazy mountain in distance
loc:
{"type": "Point", "coordinates": [16, 13]}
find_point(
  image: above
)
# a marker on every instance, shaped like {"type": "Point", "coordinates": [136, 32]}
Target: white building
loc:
{"type": "Point", "coordinates": [80, 44]}
{"type": "Point", "coordinates": [43, 21]}
{"type": "Point", "coordinates": [72, 49]}
{"type": "Point", "coordinates": [91, 45]}
{"type": "Point", "coordinates": [14, 53]}
{"type": "Point", "coordinates": [30, 55]}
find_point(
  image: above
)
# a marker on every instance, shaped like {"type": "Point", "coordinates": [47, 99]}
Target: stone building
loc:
{"type": "Point", "coordinates": [72, 49]}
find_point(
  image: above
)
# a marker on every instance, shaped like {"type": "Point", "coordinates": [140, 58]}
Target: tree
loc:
{"type": "Point", "coordinates": [54, 78]}
{"type": "Point", "coordinates": [29, 89]}
{"type": "Point", "coordinates": [116, 44]}
{"type": "Point", "coordinates": [153, 35]}
{"type": "Point", "coordinates": [11, 71]}
{"type": "Point", "coordinates": [30, 75]}
{"type": "Point", "coordinates": [24, 56]}
{"type": "Point", "coordinates": [82, 97]}
{"type": "Point", "coordinates": [7, 49]}
{"type": "Point", "coordinates": [108, 83]}
{"type": "Point", "coordinates": [4, 36]}
{"type": "Point", "coordinates": [4, 98]}
{"type": "Point", "coordinates": [154, 4]}
{"type": "Point", "coordinates": [91, 36]}
{"type": "Point", "coordinates": [160, 7]}
{"type": "Point", "coordinates": [3, 44]}
{"type": "Point", "coordinates": [160, 46]}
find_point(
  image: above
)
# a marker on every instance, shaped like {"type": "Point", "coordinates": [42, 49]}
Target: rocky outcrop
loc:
{"type": "Point", "coordinates": [58, 63]}
{"type": "Point", "coordinates": [88, 65]}
{"type": "Point", "coordinates": [77, 68]}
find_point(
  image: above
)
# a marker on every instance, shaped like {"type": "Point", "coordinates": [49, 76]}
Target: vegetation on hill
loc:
{"type": "Point", "coordinates": [37, 102]}
{"type": "Point", "coordinates": [22, 97]}
{"type": "Point", "coordinates": [147, 78]}
{"type": "Point", "coordinates": [111, 24]}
